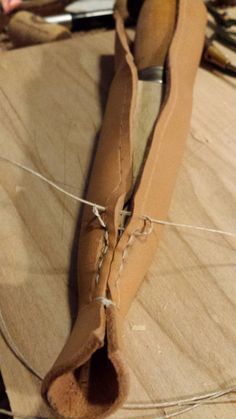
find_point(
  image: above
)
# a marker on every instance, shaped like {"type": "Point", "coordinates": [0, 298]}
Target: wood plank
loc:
{"type": "Point", "coordinates": [180, 331]}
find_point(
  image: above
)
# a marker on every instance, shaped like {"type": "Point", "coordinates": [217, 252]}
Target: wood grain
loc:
{"type": "Point", "coordinates": [180, 331]}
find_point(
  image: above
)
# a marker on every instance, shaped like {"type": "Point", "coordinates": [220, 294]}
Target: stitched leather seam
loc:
{"type": "Point", "coordinates": [123, 259]}
{"type": "Point", "coordinates": [127, 248]}
{"type": "Point", "coordinates": [180, 25]}
{"type": "Point", "coordinates": [132, 236]}
{"type": "Point", "coordinates": [103, 254]}
{"type": "Point", "coordinates": [106, 233]}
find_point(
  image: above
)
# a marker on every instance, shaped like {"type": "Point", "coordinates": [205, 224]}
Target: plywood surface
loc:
{"type": "Point", "coordinates": [180, 332]}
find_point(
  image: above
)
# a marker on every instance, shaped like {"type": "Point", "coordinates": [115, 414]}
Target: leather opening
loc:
{"type": "Point", "coordinates": [88, 390]}
{"type": "Point", "coordinates": [103, 387]}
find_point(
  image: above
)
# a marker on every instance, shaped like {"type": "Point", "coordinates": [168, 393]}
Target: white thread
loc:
{"type": "Point", "coordinates": [145, 231]}
{"type": "Point", "coordinates": [192, 227]}
{"type": "Point", "coordinates": [179, 225]}
{"type": "Point", "coordinates": [53, 184]}
{"type": "Point", "coordinates": [10, 342]}
{"type": "Point", "coordinates": [207, 397]}
{"type": "Point", "coordinates": [179, 412]}
{"type": "Point", "coordinates": [171, 415]}
{"type": "Point", "coordinates": [137, 233]}
{"type": "Point", "coordinates": [101, 208]}
{"type": "Point", "coordinates": [97, 214]}
{"type": "Point", "coordinates": [105, 246]}
{"type": "Point", "coordinates": [18, 415]}
{"type": "Point", "coordinates": [196, 402]}
{"type": "Point", "coordinates": [105, 301]}
{"type": "Point", "coordinates": [96, 209]}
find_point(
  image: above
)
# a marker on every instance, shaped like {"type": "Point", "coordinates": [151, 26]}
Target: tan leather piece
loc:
{"type": "Point", "coordinates": [153, 195]}
{"type": "Point", "coordinates": [128, 8]}
{"type": "Point", "coordinates": [90, 379]}
{"type": "Point", "coordinates": [154, 32]}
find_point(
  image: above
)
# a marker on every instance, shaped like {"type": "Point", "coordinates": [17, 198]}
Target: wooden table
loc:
{"type": "Point", "coordinates": [180, 330]}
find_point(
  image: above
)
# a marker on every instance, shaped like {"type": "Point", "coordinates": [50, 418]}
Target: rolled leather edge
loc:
{"type": "Point", "coordinates": [89, 378]}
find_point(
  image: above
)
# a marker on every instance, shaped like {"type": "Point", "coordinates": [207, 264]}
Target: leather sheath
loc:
{"type": "Point", "coordinates": [90, 377]}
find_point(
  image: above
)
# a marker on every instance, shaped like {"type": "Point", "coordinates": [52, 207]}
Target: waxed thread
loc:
{"type": "Point", "coordinates": [98, 215]}
{"type": "Point", "coordinates": [51, 183]}
{"type": "Point", "coordinates": [96, 209]}
{"type": "Point", "coordinates": [11, 344]}
{"type": "Point", "coordinates": [102, 208]}
{"type": "Point", "coordinates": [137, 233]}
{"type": "Point", "coordinates": [198, 401]}
{"type": "Point", "coordinates": [105, 244]}
{"type": "Point", "coordinates": [204, 398]}
{"type": "Point", "coordinates": [157, 221]}
{"type": "Point", "coordinates": [105, 301]}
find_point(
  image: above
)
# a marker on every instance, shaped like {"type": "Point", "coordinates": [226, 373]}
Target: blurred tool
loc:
{"type": "Point", "coordinates": [9, 5]}
{"type": "Point", "coordinates": [154, 32]}
{"type": "Point", "coordinates": [38, 7]}
{"type": "Point", "coordinates": [224, 3]}
{"type": "Point", "coordinates": [85, 13]}
{"type": "Point", "coordinates": [222, 29]}
{"type": "Point", "coordinates": [214, 58]}
{"type": "Point", "coordinates": [26, 28]}
{"type": "Point", "coordinates": [91, 7]}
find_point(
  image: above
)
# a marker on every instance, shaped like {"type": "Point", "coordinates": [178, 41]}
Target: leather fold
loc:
{"type": "Point", "coordinates": [90, 377]}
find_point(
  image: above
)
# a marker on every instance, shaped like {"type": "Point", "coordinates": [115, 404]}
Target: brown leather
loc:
{"type": "Point", "coordinates": [90, 379]}
{"type": "Point", "coordinates": [154, 32]}
{"type": "Point", "coordinates": [26, 28]}
{"type": "Point", "coordinates": [128, 9]}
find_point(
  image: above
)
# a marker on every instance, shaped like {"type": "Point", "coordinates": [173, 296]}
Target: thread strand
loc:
{"type": "Point", "coordinates": [193, 227]}
{"type": "Point", "coordinates": [182, 402]}
{"type": "Point", "coordinates": [11, 344]}
{"type": "Point", "coordinates": [21, 416]}
{"type": "Point", "coordinates": [193, 402]}
{"type": "Point", "coordinates": [101, 208]}
{"type": "Point", "coordinates": [51, 183]}
{"type": "Point", "coordinates": [173, 414]}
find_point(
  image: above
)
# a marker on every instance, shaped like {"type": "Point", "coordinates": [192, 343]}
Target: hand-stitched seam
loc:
{"type": "Point", "coordinates": [103, 254]}
{"type": "Point", "coordinates": [136, 233]}
{"type": "Point", "coordinates": [106, 233]}
{"type": "Point", "coordinates": [123, 259]}
{"type": "Point", "coordinates": [131, 239]}
{"type": "Point", "coordinates": [105, 243]}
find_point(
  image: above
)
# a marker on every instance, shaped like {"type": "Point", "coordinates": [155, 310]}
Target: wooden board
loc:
{"type": "Point", "coordinates": [180, 331]}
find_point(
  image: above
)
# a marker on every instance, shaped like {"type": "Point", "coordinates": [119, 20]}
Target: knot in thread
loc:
{"type": "Point", "coordinates": [105, 301]}
{"type": "Point", "coordinates": [98, 215]}
{"type": "Point", "coordinates": [148, 227]}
